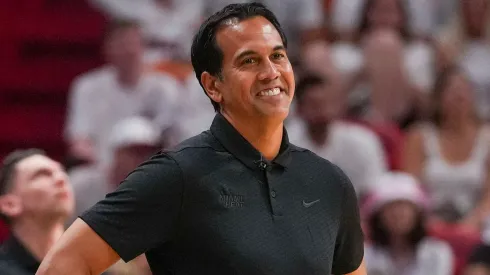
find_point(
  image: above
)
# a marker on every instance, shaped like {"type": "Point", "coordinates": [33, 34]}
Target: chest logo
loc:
{"type": "Point", "coordinates": [232, 201]}
{"type": "Point", "coordinates": [310, 204]}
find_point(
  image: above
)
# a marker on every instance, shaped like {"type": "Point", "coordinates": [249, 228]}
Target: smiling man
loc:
{"type": "Point", "coordinates": [237, 199]}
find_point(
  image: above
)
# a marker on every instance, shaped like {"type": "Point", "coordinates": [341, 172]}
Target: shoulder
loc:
{"type": "Point", "coordinates": [356, 134]}
{"type": "Point", "coordinates": [161, 80]}
{"type": "Point", "coordinates": [94, 75]}
{"type": "Point", "coordinates": [434, 246]}
{"type": "Point", "coordinates": [201, 147]}
{"type": "Point", "coordinates": [318, 167]}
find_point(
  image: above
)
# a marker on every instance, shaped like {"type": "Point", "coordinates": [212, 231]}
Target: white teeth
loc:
{"type": "Point", "coordinates": [270, 92]}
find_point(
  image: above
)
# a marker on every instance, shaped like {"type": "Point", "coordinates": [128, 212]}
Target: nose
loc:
{"type": "Point", "coordinates": [268, 71]}
{"type": "Point", "coordinates": [60, 179]}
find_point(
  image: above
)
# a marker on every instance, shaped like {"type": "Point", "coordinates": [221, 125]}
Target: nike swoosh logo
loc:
{"type": "Point", "coordinates": [309, 204]}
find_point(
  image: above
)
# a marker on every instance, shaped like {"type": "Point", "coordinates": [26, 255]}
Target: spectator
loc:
{"type": "Point", "coordinates": [396, 221]}
{"type": "Point", "coordinates": [355, 149]}
{"type": "Point", "coordinates": [450, 155]}
{"type": "Point", "coordinates": [466, 42]}
{"type": "Point", "coordinates": [167, 25]}
{"type": "Point", "coordinates": [120, 89]}
{"type": "Point", "coordinates": [132, 141]}
{"type": "Point", "coordinates": [35, 200]}
{"type": "Point", "coordinates": [390, 70]}
{"type": "Point", "coordinates": [197, 113]}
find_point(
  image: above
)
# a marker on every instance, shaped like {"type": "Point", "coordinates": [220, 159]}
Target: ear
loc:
{"type": "Point", "coordinates": [10, 205]}
{"type": "Point", "coordinates": [212, 86]}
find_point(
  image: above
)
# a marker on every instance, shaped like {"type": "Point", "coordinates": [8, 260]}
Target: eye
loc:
{"type": "Point", "coordinates": [278, 55]}
{"type": "Point", "coordinates": [249, 61]}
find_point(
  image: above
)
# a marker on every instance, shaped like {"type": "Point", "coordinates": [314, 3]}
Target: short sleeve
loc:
{"type": "Point", "coordinates": [349, 245]}
{"type": "Point", "coordinates": [143, 212]}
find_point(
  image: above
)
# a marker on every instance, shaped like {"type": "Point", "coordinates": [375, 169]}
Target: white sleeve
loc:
{"type": "Point", "coordinates": [78, 117]}
{"type": "Point", "coordinates": [441, 259]}
{"type": "Point", "coordinates": [373, 159]}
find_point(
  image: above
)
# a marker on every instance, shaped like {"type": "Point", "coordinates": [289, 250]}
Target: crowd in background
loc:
{"type": "Point", "coordinates": [395, 92]}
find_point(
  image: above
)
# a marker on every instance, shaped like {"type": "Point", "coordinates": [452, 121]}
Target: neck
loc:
{"type": "Point", "coordinates": [129, 77]}
{"type": "Point", "coordinates": [265, 136]}
{"type": "Point", "coordinates": [37, 237]}
{"type": "Point", "coordinates": [318, 133]}
{"type": "Point", "coordinates": [399, 247]}
{"type": "Point", "coordinates": [457, 124]}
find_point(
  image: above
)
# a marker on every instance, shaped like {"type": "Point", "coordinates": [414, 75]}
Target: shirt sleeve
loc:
{"type": "Point", "coordinates": [143, 212]}
{"type": "Point", "coordinates": [349, 245]}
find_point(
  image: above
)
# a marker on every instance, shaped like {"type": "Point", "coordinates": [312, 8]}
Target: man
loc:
{"type": "Point", "coordinates": [354, 148]}
{"type": "Point", "coordinates": [237, 199]}
{"type": "Point", "coordinates": [35, 200]}
{"type": "Point", "coordinates": [122, 88]}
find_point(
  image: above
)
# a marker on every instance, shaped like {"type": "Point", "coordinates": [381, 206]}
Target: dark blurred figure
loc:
{"type": "Point", "coordinates": [450, 155]}
{"type": "Point", "coordinates": [479, 261]}
{"type": "Point", "coordinates": [396, 222]}
{"type": "Point", "coordinates": [35, 199]}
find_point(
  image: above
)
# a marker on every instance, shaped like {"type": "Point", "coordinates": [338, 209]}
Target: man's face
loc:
{"type": "Point", "coordinates": [124, 48]}
{"type": "Point", "coordinates": [320, 105]}
{"type": "Point", "coordinates": [257, 77]}
{"type": "Point", "coordinates": [41, 189]}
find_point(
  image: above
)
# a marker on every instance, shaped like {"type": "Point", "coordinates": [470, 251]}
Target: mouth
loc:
{"type": "Point", "coordinates": [271, 92]}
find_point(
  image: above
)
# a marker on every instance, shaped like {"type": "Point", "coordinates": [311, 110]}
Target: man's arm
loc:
{"type": "Point", "coordinates": [360, 271]}
{"type": "Point", "coordinates": [80, 251]}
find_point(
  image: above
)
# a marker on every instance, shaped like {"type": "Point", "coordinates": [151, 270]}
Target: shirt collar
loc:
{"type": "Point", "coordinates": [14, 249]}
{"type": "Point", "coordinates": [238, 146]}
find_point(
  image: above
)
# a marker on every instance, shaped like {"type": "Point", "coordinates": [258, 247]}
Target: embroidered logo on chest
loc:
{"type": "Point", "coordinates": [232, 201]}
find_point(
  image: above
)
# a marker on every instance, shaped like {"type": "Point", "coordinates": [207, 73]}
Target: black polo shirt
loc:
{"type": "Point", "coordinates": [213, 206]}
{"type": "Point", "coordinates": [15, 259]}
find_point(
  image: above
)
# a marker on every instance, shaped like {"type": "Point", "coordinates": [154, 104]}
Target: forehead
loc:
{"type": "Point", "coordinates": [255, 33]}
{"type": "Point", "coordinates": [34, 163]}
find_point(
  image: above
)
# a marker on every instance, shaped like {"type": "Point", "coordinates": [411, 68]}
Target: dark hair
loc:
{"type": "Point", "coordinates": [380, 236]}
{"type": "Point", "coordinates": [7, 171]}
{"type": "Point", "coordinates": [306, 82]}
{"type": "Point", "coordinates": [439, 88]}
{"type": "Point", "coordinates": [206, 55]}
{"type": "Point", "coordinates": [119, 24]}
{"type": "Point", "coordinates": [364, 23]}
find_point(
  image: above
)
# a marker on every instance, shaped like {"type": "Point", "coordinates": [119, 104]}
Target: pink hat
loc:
{"type": "Point", "coordinates": [396, 186]}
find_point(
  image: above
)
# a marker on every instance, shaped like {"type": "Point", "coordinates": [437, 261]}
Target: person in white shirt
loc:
{"type": "Point", "coordinates": [399, 243]}
{"type": "Point", "coordinates": [355, 149]}
{"type": "Point", "coordinates": [100, 98]}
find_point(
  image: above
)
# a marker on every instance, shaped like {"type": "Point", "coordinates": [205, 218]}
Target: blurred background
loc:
{"type": "Point", "coordinates": [395, 92]}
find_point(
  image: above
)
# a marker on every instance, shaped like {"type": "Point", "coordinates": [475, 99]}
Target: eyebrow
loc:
{"type": "Point", "coordinates": [250, 52]}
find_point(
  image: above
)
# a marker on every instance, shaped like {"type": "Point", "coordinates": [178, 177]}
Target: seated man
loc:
{"type": "Point", "coordinates": [354, 148]}
{"type": "Point", "coordinates": [121, 89]}
{"type": "Point", "coordinates": [35, 200]}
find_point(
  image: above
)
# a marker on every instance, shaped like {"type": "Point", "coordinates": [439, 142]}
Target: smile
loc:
{"type": "Point", "coordinates": [270, 92]}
